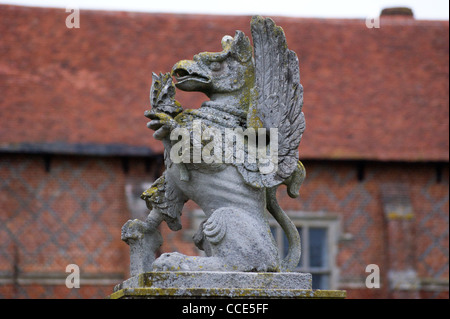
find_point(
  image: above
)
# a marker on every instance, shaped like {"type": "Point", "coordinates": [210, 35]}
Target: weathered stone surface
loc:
{"type": "Point", "coordinates": [186, 293]}
{"type": "Point", "coordinates": [210, 280]}
{"type": "Point", "coordinates": [153, 285]}
{"type": "Point", "coordinates": [143, 242]}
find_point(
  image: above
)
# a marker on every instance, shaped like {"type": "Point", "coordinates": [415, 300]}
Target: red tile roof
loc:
{"type": "Point", "coordinates": [370, 94]}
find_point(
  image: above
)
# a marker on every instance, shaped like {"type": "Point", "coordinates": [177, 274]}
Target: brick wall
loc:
{"type": "Point", "coordinates": [71, 210]}
{"type": "Point", "coordinates": [354, 192]}
{"type": "Point", "coordinates": [70, 214]}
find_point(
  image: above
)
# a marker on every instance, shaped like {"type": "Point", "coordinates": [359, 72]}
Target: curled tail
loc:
{"type": "Point", "coordinates": [293, 183]}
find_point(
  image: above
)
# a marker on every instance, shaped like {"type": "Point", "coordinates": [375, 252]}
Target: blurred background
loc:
{"type": "Point", "coordinates": [75, 153]}
{"type": "Point", "coordinates": [346, 9]}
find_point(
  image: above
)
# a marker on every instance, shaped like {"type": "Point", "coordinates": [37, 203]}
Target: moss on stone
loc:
{"type": "Point", "coordinates": [151, 293]}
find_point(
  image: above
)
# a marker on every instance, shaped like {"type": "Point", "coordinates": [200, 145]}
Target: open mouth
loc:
{"type": "Point", "coordinates": [182, 75]}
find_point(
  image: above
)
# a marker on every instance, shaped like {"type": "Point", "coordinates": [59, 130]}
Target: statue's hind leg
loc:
{"type": "Point", "coordinates": [236, 240]}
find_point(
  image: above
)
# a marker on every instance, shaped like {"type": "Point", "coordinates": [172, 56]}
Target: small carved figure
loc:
{"type": "Point", "coordinates": [260, 93]}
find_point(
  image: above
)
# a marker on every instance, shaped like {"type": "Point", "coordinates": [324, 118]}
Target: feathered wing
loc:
{"type": "Point", "coordinates": [277, 98]}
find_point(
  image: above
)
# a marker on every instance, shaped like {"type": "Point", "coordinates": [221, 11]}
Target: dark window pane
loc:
{"type": "Point", "coordinates": [317, 247]}
{"type": "Point", "coordinates": [299, 229]}
{"type": "Point", "coordinates": [273, 229]}
{"type": "Point", "coordinates": [286, 245]}
{"type": "Point", "coordinates": [320, 281]}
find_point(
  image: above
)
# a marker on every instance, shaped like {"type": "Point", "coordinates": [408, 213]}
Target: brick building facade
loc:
{"type": "Point", "coordinates": [75, 153]}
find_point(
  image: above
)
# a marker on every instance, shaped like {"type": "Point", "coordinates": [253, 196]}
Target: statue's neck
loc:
{"type": "Point", "coordinates": [237, 100]}
{"type": "Point", "coordinates": [226, 109]}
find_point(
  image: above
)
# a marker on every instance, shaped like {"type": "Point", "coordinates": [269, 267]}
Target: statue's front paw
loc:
{"type": "Point", "coordinates": [171, 262]}
{"type": "Point", "coordinates": [161, 123]}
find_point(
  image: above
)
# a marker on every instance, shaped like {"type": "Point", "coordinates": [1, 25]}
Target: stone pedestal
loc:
{"type": "Point", "coordinates": [210, 285]}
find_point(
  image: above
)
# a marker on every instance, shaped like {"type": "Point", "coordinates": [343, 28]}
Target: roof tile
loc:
{"type": "Point", "coordinates": [374, 94]}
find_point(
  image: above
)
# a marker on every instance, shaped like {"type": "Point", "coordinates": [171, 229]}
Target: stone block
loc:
{"type": "Point", "coordinates": [199, 284]}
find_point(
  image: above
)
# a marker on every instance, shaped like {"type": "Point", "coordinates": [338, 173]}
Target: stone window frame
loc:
{"type": "Point", "coordinates": [330, 221]}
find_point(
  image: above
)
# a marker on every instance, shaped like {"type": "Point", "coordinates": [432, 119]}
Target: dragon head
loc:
{"type": "Point", "coordinates": [212, 73]}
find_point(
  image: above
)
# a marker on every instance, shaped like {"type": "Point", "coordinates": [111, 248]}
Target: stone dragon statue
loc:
{"type": "Point", "coordinates": [247, 92]}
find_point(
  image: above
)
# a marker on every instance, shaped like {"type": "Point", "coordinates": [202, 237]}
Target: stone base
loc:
{"type": "Point", "coordinates": [199, 284]}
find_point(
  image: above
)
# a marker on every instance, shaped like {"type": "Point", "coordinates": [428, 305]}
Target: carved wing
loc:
{"type": "Point", "coordinates": [277, 96]}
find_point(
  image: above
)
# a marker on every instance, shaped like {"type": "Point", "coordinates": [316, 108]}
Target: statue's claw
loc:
{"type": "Point", "coordinates": [161, 123]}
{"type": "Point", "coordinates": [171, 262]}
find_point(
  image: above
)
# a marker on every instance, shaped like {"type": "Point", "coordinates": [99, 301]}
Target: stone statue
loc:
{"type": "Point", "coordinates": [234, 152]}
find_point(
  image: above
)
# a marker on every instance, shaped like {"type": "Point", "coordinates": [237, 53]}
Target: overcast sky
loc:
{"type": "Point", "coordinates": [423, 9]}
